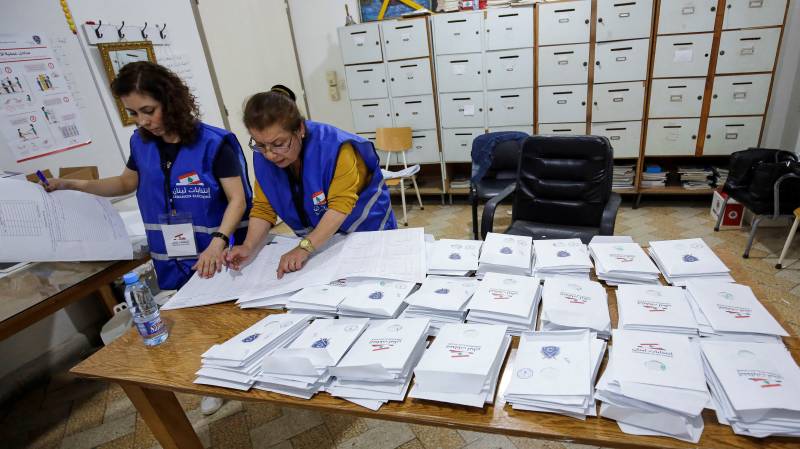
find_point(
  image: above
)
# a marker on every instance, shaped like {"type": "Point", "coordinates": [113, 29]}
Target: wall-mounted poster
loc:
{"type": "Point", "coordinates": [370, 9]}
{"type": "Point", "coordinates": [38, 114]}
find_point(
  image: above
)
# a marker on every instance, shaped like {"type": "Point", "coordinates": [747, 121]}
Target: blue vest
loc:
{"type": "Point", "coordinates": [373, 209]}
{"type": "Point", "coordinates": [194, 190]}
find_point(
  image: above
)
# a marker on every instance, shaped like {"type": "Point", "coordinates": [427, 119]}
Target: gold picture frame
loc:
{"type": "Point", "coordinates": [116, 55]}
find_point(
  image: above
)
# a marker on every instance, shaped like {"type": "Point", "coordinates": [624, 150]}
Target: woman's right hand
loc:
{"type": "Point", "coordinates": [238, 256]}
{"type": "Point", "coordinates": [56, 184]}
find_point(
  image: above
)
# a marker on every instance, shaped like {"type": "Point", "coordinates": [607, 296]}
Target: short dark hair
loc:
{"type": "Point", "coordinates": [265, 109]}
{"type": "Point", "coordinates": [180, 110]}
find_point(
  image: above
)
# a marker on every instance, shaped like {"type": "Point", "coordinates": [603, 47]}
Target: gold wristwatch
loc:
{"type": "Point", "coordinates": [306, 245]}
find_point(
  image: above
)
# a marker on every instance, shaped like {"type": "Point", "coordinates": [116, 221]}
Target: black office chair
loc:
{"type": "Point", "coordinates": [562, 190]}
{"type": "Point", "coordinates": [766, 182]}
{"type": "Point", "coordinates": [501, 174]}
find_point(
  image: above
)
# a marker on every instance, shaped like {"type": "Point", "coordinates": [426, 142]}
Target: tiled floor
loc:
{"type": "Point", "coordinates": [71, 413]}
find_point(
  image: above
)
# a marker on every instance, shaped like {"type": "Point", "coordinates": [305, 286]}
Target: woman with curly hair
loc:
{"type": "Point", "coordinates": [190, 178]}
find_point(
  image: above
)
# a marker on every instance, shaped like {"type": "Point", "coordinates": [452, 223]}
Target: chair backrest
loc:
{"type": "Point", "coordinates": [743, 163]}
{"type": "Point", "coordinates": [505, 158]}
{"type": "Point", "coordinates": [564, 180]}
{"type": "Point", "coordinates": [495, 155]}
{"type": "Point", "coordinates": [393, 139]}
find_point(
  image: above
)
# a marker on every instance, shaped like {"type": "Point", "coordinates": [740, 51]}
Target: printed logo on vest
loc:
{"type": "Point", "coordinates": [189, 186]}
{"type": "Point", "coordinates": [320, 202]}
{"type": "Point", "coordinates": [189, 179]}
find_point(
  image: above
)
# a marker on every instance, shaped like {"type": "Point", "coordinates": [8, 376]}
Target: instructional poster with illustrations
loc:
{"type": "Point", "coordinates": [38, 113]}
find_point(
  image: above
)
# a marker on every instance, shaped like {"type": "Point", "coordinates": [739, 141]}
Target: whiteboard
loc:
{"type": "Point", "coordinates": [84, 71]}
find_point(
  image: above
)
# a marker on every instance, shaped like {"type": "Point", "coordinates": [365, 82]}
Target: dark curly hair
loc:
{"type": "Point", "coordinates": [180, 111]}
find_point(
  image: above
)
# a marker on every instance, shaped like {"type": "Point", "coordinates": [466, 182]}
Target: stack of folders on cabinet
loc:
{"type": "Point", "coordinates": [683, 260]}
{"type": "Point", "coordinates": [555, 372]}
{"type": "Point", "coordinates": [442, 299]}
{"type": "Point", "coordinates": [450, 257]}
{"type": "Point", "coordinates": [462, 365]}
{"type": "Point", "coordinates": [236, 363]}
{"type": "Point", "coordinates": [506, 299]}
{"type": "Point", "coordinates": [378, 368]}
{"type": "Point", "coordinates": [575, 304]}
{"type": "Point", "coordinates": [754, 387]}
{"type": "Point", "coordinates": [505, 253]}
{"type": "Point", "coordinates": [375, 298]}
{"type": "Point", "coordinates": [623, 176]}
{"type": "Point", "coordinates": [623, 263]}
{"type": "Point", "coordinates": [317, 300]}
{"type": "Point", "coordinates": [655, 308]}
{"type": "Point", "coordinates": [694, 178]}
{"type": "Point", "coordinates": [654, 176]}
{"type": "Point", "coordinates": [654, 385]}
{"type": "Point", "coordinates": [301, 368]}
{"type": "Point", "coordinates": [561, 257]}
{"type": "Point", "coordinates": [732, 311]}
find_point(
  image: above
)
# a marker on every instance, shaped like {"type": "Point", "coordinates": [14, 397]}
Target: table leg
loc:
{"type": "Point", "coordinates": [109, 300]}
{"type": "Point", "coordinates": [163, 414]}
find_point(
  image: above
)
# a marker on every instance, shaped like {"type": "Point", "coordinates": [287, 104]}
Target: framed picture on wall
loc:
{"type": "Point", "coordinates": [117, 55]}
{"type": "Point", "coordinates": [371, 9]}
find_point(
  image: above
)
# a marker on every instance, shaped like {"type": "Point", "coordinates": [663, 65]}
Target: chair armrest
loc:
{"type": "Point", "coordinates": [487, 218]}
{"type": "Point", "coordinates": [776, 210]}
{"type": "Point", "coordinates": [610, 214]}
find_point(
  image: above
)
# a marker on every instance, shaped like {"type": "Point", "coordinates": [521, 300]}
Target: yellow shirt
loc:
{"type": "Point", "coordinates": [350, 177]}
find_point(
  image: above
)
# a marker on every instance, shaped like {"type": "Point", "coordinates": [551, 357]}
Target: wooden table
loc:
{"type": "Point", "coordinates": [46, 288]}
{"type": "Point", "coordinates": [150, 376]}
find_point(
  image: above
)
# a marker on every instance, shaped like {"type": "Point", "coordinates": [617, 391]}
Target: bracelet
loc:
{"type": "Point", "coordinates": [220, 235]}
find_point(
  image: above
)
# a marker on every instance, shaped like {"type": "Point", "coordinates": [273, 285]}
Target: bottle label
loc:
{"type": "Point", "coordinates": [150, 328]}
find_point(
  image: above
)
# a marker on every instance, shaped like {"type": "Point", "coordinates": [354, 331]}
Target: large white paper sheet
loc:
{"type": "Point", "coordinates": [36, 226]}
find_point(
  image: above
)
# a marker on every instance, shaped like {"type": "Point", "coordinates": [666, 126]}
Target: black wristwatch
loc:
{"type": "Point", "coordinates": [220, 235]}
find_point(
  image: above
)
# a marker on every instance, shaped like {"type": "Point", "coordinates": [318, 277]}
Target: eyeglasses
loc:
{"type": "Point", "coordinates": [263, 149]}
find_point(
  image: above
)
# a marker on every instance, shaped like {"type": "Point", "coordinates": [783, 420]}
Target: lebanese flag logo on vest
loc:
{"type": "Point", "coordinates": [318, 198]}
{"type": "Point", "coordinates": [189, 179]}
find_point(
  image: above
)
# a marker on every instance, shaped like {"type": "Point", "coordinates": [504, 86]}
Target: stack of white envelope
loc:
{"type": "Point", "coordinates": [317, 300]}
{"type": "Point", "coordinates": [442, 299]}
{"type": "Point", "coordinates": [654, 385]}
{"type": "Point", "coordinates": [505, 253]}
{"type": "Point", "coordinates": [563, 257]}
{"type": "Point", "coordinates": [731, 311]}
{"type": "Point", "coordinates": [301, 368]}
{"type": "Point", "coordinates": [569, 303]}
{"type": "Point", "coordinates": [684, 260]}
{"type": "Point", "coordinates": [269, 302]}
{"type": "Point", "coordinates": [237, 362]}
{"type": "Point", "coordinates": [655, 308]}
{"type": "Point", "coordinates": [375, 298]}
{"type": "Point", "coordinates": [378, 367]}
{"type": "Point", "coordinates": [555, 372]}
{"type": "Point", "coordinates": [623, 263]}
{"type": "Point", "coordinates": [462, 365]}
{"type": "Point", "coordinates": [506, 299]}
{"type": "Point", "coordinates": [449, 257]}
{"type": "Point", "coordinates": [754, 387]}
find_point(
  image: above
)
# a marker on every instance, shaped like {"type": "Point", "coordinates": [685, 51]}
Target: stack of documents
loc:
{"type": "Point", "coordinates": [442, 299]}
{"type": "Point", "coordinates": [623, 263]}
{"type": "Point", "coordinates": [623, 176]}
{"type": "Point", "coordinates": [684, 260]}
{"type": "Point", "coordinates": [694, 177]}
{"type": "Point", "coordinates": [567, 257]}
{"type": "Point", "coordinates": [375, 299]}
{"type": "Point", "coordinates": [301, 369]}
{"type": "Point", "coordinates": [555, 372]}
{"type": "Point", "coordinates": [378, 367]}
{"type": "Point", "coordinates": [453, 257]}
{"type": "Point", "coordinates": [506, 299]}
{"type": "Point", "coordinates": [462, 365]}
{"type": "Point", "coordinates": [505, 253]}
{"type": "Point", "coordinates": [654, 176]}
{"type": "Point", "coordinates": [732, 311]}
{"type": "Point", "coordinates": [754, 387]}
{"type": "Point", "coordinates": [655, 308]}
{"type": "Point", "coordinates": [569, 303]}
{"type": "Point", "coordinates": [318, 300]}
{"type": "Point", "coordinates": [654, 385]}
{"type": "Point", "coordinates": [237, 362]}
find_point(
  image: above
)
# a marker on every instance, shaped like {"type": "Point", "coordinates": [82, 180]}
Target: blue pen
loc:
{"type": "Point", "coordinates": [230, 247]}
{"type": "Point", "coordinates": [42, 178]}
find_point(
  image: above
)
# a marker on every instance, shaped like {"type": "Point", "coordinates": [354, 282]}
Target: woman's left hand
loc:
{"type": "Point", "coordinates": [292, 261]}
{"type": "Point", "coordinates": [211, 260]}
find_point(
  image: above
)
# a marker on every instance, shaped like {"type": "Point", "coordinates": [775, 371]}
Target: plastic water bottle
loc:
{"type": "Point", "coordinates": [146, 316]}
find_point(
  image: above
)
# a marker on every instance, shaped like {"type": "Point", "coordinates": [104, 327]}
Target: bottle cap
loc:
{"type": "Point", "coordinates": [131, 278]}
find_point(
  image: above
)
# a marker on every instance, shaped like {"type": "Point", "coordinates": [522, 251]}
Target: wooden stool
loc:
{"type": "Point", "coordinates": [790, 238]}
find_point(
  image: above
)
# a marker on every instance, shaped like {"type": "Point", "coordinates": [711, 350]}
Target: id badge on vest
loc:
{"type": "Point", "coordinates": [178, 234]}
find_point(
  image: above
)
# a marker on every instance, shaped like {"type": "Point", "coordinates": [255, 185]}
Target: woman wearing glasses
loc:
{"type": "Point", "coordinates": [319, 179]}
{"type": "Point", "coordinates": [190, 178]}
